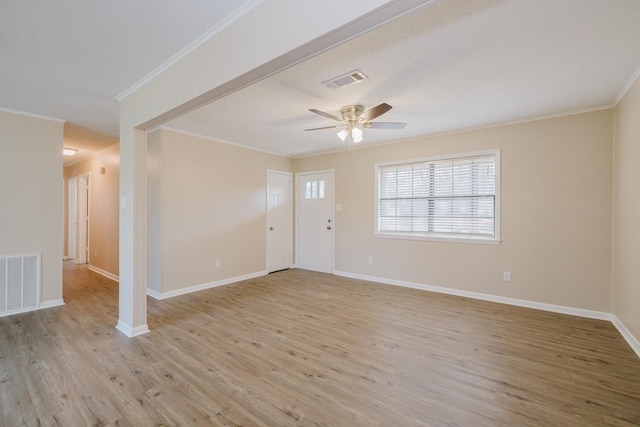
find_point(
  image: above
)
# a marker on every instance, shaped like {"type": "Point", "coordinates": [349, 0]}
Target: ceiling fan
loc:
{"type": "Point", "coordinates": [354, 119]}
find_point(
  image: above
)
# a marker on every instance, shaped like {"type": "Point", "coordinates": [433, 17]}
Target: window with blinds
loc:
{"type": "Point", "coordinates": [452, 197]}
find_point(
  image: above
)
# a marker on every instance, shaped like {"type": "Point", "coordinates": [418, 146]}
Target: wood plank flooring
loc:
{"type": "Point", "coordinates": [298, 348]}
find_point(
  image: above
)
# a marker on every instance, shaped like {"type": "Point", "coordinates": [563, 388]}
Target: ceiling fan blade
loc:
{"type": "Point", "coordinates": [327, 115]}
{"type": "Point", "coordinates": [386, 125]}
{"type": "Point", "coordinates": [376, 111]}
{"type": "Point", "coordinates": [326, 127]}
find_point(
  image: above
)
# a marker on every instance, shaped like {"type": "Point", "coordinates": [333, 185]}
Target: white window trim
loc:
{"type": "Point", "coordinates": [443, 237]}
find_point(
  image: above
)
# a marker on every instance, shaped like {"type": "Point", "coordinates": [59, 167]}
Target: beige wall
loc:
{"type": "Point", "coordinates": [205, 74]}
{"type": "Point", "coordinates": [626, 236]}
{"type": "Point", "coordinates": [31, 194]}
{"type": "Point", "coordinates": [103, 206]}
{"type": "Point", "coordinates": [212, 206]}
{"type": "Point", "coordinates": [556, 214]}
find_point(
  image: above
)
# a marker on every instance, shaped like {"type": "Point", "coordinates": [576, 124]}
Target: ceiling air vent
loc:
{"type": "Point", "coordinates": [352, 77]}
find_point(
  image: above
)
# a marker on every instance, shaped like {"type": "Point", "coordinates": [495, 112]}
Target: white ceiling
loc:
{"type": "Point", "coordinates": [69, 59]}
{"type": "Point", "coordinates": [453, 65]}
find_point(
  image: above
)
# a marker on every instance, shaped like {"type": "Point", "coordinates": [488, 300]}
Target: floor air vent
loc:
{"type": "Point", "coordinates": [19, 283]}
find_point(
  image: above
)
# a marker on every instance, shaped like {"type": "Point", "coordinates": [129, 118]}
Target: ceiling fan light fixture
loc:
{"type": "Point", "coordinates": [356, 134]}
{"type": "Point", "coordinates": [354, 118]}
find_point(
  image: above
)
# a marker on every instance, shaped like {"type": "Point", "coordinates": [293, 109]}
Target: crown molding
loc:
{"type": "Point", "coordinates": [92, 155]}
{"type": "Point", "coordinates": [220, 141]}
{"type": "Point", "coordinates": [209, 34]}
{"type": "Point", "coordinates": [35, 116]}
{"type": "Point", "coordinates": [627, 86]}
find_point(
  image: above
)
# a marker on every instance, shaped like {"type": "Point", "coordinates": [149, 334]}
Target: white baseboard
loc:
{"type": "Point", "coordinates": [626, 333]}
{"type": "Point", "coordinates": [601, 315]}
{"type": "Point", "coordinates": [591, 314]}
{"type": "Point", "coordinates": [154, 294]}
{"type": "Point", "coordinates": [43, 305]}
{"type": "Point", "coordinates": [131, 332]}
{"type": "Point", "coordinates": [52, 303]}
{"type": "Point", "coordinates": [164, 295]}
{"type": "Point", "coordinates": [104, 273]}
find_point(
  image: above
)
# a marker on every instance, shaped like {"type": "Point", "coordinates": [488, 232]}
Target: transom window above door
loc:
{"type": "Point", "coordinates": [314, 189]}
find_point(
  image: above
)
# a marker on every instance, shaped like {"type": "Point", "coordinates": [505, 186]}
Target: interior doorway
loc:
{"type": "Point", "coordinates": [279, 213]}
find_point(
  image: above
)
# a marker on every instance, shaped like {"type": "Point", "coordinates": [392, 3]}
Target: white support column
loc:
{"type": "Point", "coordinates": [133, 299]}
{"type": "Point", "coordinates": [200, 77]}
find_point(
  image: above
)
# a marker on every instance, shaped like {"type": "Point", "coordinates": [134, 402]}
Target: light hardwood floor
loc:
{"type": "Point", "coordinates": [298, 348]}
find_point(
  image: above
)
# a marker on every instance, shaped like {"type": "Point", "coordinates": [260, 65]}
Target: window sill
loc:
{"type": "Point", "coordinates": [440, 238]}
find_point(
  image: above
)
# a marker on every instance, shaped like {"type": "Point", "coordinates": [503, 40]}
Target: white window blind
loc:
{"type": "Point", "coordinates": [451, 197]}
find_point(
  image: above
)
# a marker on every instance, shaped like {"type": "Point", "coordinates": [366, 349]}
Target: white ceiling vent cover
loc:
{"type": "Point", "coordinates": [352, 77]}
{"type": "Point", "coordinates": [19, 283]}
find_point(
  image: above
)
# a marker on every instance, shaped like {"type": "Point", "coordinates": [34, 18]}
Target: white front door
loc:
{"type": "Point", "coordinates": [279, 210]}
{"type": "Point", "coordinates": [314, 210]}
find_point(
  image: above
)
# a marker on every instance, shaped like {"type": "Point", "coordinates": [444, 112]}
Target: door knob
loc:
{"type": "Point", "coordinates": [271, 228]}
{"type": "Point", "coordinates": [328, 227]}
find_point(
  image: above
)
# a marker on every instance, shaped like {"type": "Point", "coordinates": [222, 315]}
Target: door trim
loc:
{"type": "Point", "coordinates": [72, 217]}
{"type": "Point", "coordinates": [82, 218]}
{"type": "Point", "coordinates": [333, 211]}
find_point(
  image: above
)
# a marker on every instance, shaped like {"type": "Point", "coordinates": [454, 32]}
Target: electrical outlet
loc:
{"type": "Point", "coordinates": [506, 276]}
{"type": "Point", "coordinates": [217, 263]}
{"type": "Point", "coordinates": [370, 259]}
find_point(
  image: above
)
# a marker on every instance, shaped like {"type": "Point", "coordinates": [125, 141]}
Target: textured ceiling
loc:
{"type": "Point", "coordinates": [69, 59]}
{"type": "Point", "coordinates": [451, 65]}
